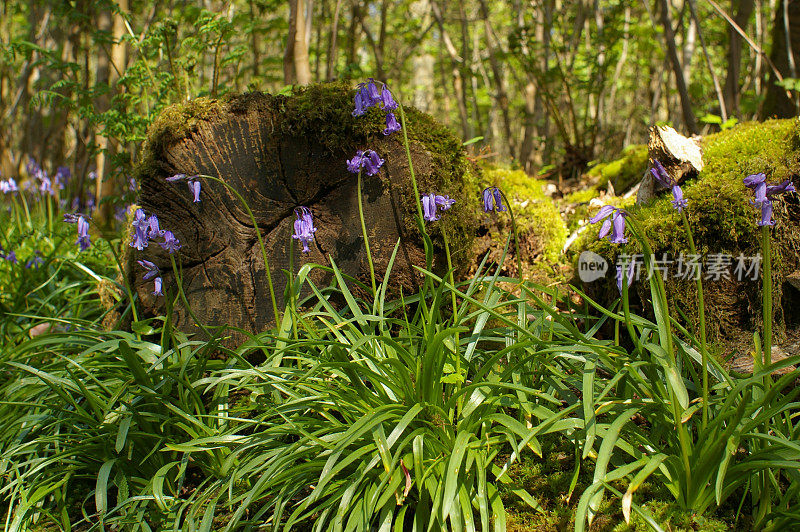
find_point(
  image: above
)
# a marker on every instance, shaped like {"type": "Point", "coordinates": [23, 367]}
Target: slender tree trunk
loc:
{"type": "Point", "coordinates": [741, 10]}
{"type": "Point", "coordinates": [500, 94]}
{"type": "Point", "coordinates": [254, 41]}
{"type": "Point", "coordinates": [672, 53]}
{"type": "Point", "coordinates": [785, 37]}
{"type": "Point", "coordinates": [330, 69]}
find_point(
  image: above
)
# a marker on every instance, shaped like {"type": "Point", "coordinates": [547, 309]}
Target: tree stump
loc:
{"type": "Point", "coordinates": [279, 153]}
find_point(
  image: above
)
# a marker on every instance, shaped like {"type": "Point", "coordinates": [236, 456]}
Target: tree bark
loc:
{"type": "Point", "coordinates": [742, 10]}
{"type": "Point", "coordinates": [776, 102]}
{"type": "Point", "coordinates": [680, 81]}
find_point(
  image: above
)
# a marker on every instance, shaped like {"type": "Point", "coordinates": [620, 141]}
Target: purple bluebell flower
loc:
{"type": "Point", "coordinates": [366, 96]}
{"type": "Point", "coordinates": [492, 200]}
{"type": "Point", "coordinates": [153, 230]}
{"type": "Point", "coordinates": [754, 180]}
{"type": "Point", "coordinates": [429, 208]}
{"type": "Point", "coordinates": [170, 243]}
{"type": "Point", "coordinates": [431, 201]}
{"type": "Point", "coordinates": [83, 234]}
{"type": "Point", "coordinates": [83, 228]}
{"type": "Point", "coordinates": [35, 261]}
{"type": "Point", "coordinates": [368, 160]}
{"type": "Point", "coordinates": [615, 225]}
{"type": "Point", "coordinates": [131, 184]}
{"type": "Point", "coordinates": [354, 165]}
{"type": "Point", "coordinates": [157, 282]}
{"type": "Point", "coordinates": [664, 179]}
{"type": "Point", "coordinates": [141, 225]}
{"type": "Point", "coordinates": [679, 202]}
{"type": "Point", "coordinates": [766, 213]}
{"type": "Point", "coordinates": [765, 194]}
{"type": "Point", "coordinates": [152, 273]}
{"type": "Point", "coordinates": [660, 174]}
{"type": "Point", "coordinates": [11, 257]}
{"type": "Point", "coordinates": [176, 177]}
{"type": "Point", "coordinates": [443, 202]}
{"type": "Point", "coordinates": [152, 269]}
{"type": "Point", "coordinates": [392, 124]}
{"type": "Point", "coordinates": [194, 186]}
{"type": "Point", "coordinates": [628, 275]}
{"type": "Point", "coordinates": [304, 227]}
{"type": "Point", "coordinates": [62, 177]}
{"type": "Point", "coordinates": [8, 185]}
{"type": "Point", "coordinates": [372, 162]}
{"type": "Point", "coordinates": [92, 175]}
{"type": "Point", "coordinates": [387, 101]}
{"type": "Point", "coordinates": [46, 186]}
{"type": "Point", "coordinates": [783, 188]}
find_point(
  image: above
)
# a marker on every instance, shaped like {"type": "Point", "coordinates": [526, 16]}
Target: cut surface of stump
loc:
{"type": "Point", "coordinates": [280, 153]}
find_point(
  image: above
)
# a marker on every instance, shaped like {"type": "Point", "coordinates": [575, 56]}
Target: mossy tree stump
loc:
{"type": "Point", "coordinates": [724, 223]}
{"type": "Point", "coordinates": [279, 153]}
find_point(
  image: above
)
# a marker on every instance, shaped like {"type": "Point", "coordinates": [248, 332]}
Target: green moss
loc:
{"type": "Point", "coordinates": [723, 220]}
{"type": "Point", "coordinates": [622, 173]}
{"type": "Point", "coordinates": [538, 219]}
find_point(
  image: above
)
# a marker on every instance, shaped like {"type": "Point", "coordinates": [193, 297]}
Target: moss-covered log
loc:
{"type": "Point", "coordinates": [281, 152]}
{"type": "Point", "coordinates": [723, 222]}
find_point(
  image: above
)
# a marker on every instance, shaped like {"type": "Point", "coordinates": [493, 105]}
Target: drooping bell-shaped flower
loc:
{"type": "Point", "coordinates": [304, 227]}
{"type": "Point", "coordinates": [151, 269]}
{"type": "Point", "coordinates": [170, 243]}
{"type": "Point", "coordinates": [678, 202]}
{"type": "Point", "coordinates": [387, 100]}
{"type": "Point", "coordinates": [492, 200]}
{"type": "Point", "coordinates": [392, 124]}
{"type": "Point", "coordinates": [616, 224]}
{"type": "Point", "coordinates": [194, 186]}
{"type": "Point", "coordinates": [83, 234]}
{"type": "Point", "coordinates": [765, 194]}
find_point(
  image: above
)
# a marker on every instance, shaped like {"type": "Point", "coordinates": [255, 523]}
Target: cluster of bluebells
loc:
{"type": "Point", "coordinates": [492, 200]}
{"type": "Point", "coordinates": [368, 96]}
{"type": "Point", "coordinates": [304, 227]}
{"type": "Point", "coordinates": [368, 160]}
{"type": "Point", "coordinates": [35, 261]}
{"type": "Point", "coordinates": [765, 194]}
{"type": "Point", "coordinates": [11, 256]}
{"type": "Point", "coordinates": [431, 201]}
{"type": "Point", "coordinates": [665, 180]}
{"type": "Point", "coordinates": [146, 228]}
{"type": "Point", "coordinates": [192, 181]}
{"type": "Point", "coordinates": [8, 185]}
{"type": "Point", "coordinates": [84, 242]}
{"type": "Point", "coordinates": [614, 223]}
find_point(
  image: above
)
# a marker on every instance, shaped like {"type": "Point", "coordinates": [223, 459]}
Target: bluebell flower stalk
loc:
{"type": "Point", "coordinates": [764, 196]}
{"type": "Point", "coordinates": [198, 177]}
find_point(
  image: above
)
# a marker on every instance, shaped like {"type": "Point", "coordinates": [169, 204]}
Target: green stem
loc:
{"type": "Point", "coordinates": [417, 198]}
{"type": "Point", "coordinates": [260, 244]}
{"type": "Point", "coordinates": [516, 235]}
{"type": "Point", "coordinates": [366, 239]}
{"type": "Point", "coordinates": [459, 401]}
{"type": "Point", "coordinates": [179, 282]}
{"type": "Point", "coordinates": [702, 317]}
{"type": "Point", "coordinates": [766, 352]}
{"type": "Point", "coordinates": [128, 288]}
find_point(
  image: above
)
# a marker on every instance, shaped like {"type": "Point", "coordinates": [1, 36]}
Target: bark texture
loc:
{"type": "Point", "coordinates": [280, 153]}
